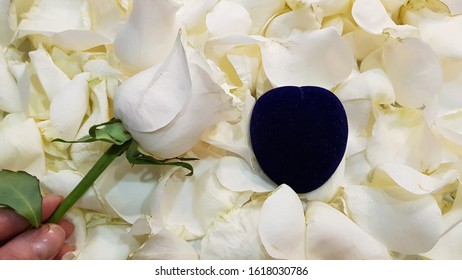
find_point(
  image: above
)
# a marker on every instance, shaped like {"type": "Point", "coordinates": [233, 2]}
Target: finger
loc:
{"type": "Point", "coordinates": [49, 205]}
{"type": "Point", "coordinates": [42, 243]}
{"type": "Point", "coordinates": [67, 226]}
{"type": "Point", "coordinates": [11, 223]}
{"type": "Point", "coordinates": [64, 250]}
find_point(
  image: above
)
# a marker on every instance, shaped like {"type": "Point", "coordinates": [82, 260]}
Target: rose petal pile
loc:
{"type": "Point", "coordinates": [183, 76]}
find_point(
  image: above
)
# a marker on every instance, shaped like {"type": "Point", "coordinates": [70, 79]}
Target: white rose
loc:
{"type": "Point", "coordinates": [167, 107]}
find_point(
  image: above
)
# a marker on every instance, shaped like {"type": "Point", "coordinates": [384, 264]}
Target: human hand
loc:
{"type": "Point", "coordinates": [42, 243]}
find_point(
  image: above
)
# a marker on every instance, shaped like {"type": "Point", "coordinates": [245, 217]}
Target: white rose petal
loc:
{"type": "Point", "coordinates": [412, 180]}
{"type": "Point", "coordinates": [21, 74]}
{"type": "Point", "coordinates": [236, 175]}
{"type": "Point", "coordinates": [282, 225]}
{"type": "Point", "coordinates": [69, 107]}
{"type": "Point", "coordinates": [304, 19]}
{"type": "Point", "coordinates": [66, 24]}
{"type": "Point", "coordinates": [357, 169]}
{"type": "Point", "coordinates": [148, 35]}
{"type": "Point", "coordinates": [234, 137]}
{"type": "Point", "coordinates": [403, 136]}
{"type": "Point", "coordinates": [234, 235]}
{"type": "Point", "coordinates": [64, 181]}
{"type": "Point", "coordinates": [10, 99]}
{"type": "Point", "coordinates": [85, 155]}
{"type": "Point", "coordinates": [359, 49]}
{"type": "Point", "coordinates": [373, 85]}
{"type": "Point", "coordinates": [108, 242]}
{"type": "Point", "coordinates": [127, 189]}
{"type": "Point", "coordinates": [261, 11]}
{"type": "Point", "coordinates": [165, 246]}
{"type": "Point", "coordinates": [6, 28]}
{"type": "Point", "coordinates": [454, 5]}
{"type": "Point", "coordinates": [420, 78]}
{"type": "Point", "coordinates": [306, 59]}
{"type": "Point", "coordinates": [228, 17]}
{"type": "Point", "coordinates": [21, 144]}
{"type": "Point", "coordinates": [372, 16]}
{"type": "Point", "coordinates": [449, 245]}
{"type": "Point", "coordinates": [193, 14]}
{"type": "Point", "coordinates": [332, 235]}
{"type": "Point", "coordinates": [52, 79]}
{"type": "Point", "coordinates": [446, 44]}
{"type": "Point", "coordinates": [328, 7]}
{"type": "Point", "coordinates": [449, 126]}
{"type": "Point", "coordinates": [408, 224]}
{"type": "Point", "coordinates": [191, 204]}
{"type": "Point", "coordinates": [79, 235]}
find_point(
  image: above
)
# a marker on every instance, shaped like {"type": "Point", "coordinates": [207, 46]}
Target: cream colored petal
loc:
{"type": "Point", "coordinates": [446, 44]}
{"type": "Point", "coordinates": [6, 27]}
{"type": "Point", "coordinates": [454, 5]}
{"type": "Point", "coordinates": [21, 144]}
{"type": "Point", "coordinates": [64, 181]}
{"type": "Point", "coordinates": [189, 205]}
{"type": "Point", "coordinates": [448, 247]}
{"type": "Point", "coordinates": [52, 79]}
{"type": "Point", "coordinates": [149, 34]}
{"type": "Point", "coordinates": [373, 85]}
{"type": "Point", "coordinates": [69, 107]}
{"type": "Point", "coordinates": [234, 137]}
{"type": "Point", "coordinates": [332, 235]}
{"type": "Point", "coordinates": [153, 98]}
{"type": "Point", "coordinates": [22, 77]}
{"type": "Point", "coordinates": [228, 17]}
{"type": "Point", "coordinates": [165, 246]}
{"type": "Point", "coordinates": [306, 59]}
{"type": "Point", "coordinates": [372, 16]}
{"type": "Point", "coordinates": [304, 19]}
{"type": "Point", "coordinates": [234, 236]}
{"type": "Point", "coordinates": [411, 179]}
{"type": "Point", "coordinates": [404, 223]}
{"type": "Point", "coordinates": [282, 225]}
{"type": "Point", "coordinates": [108, 242]}
{"type": "Point", "coordinates": [414, 71]}
{"type": "Point", "coordinates": [357, 169]}
{"type": "Point", "coordinates": [106, 17]}
{"type": "Point", "coordinates": [261, 12]}
{"type": "Point", "coordinates": [449, 126]}
{"type": "Point", "coordinates": [329, 7]}
{"type": "Point", "coordinates": [79, 235]}
{"type": "Point", "coordinates": [85, 155]}
{"type": "Point", "coordinates": [236, 175]}
{"type": "Point", "coordinates": [403, 136]}
{"type": "Point", "coordinates": [363, 43]}
{"type": "Point", "coordinates": [47, 17]}
{"type": "Point", "coordinates": [79, 40]}
{"type": "Point", "coordinates": [192, 13]}
{"type": "Point", "coordinates": [128, 189]}
{"type": "Point", "coordinates": [10, 98]}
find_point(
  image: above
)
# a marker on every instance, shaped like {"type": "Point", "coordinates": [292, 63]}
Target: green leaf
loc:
{"type": "Point", "coordinates": [21, 191]}
{"type": "Point", "coordinates": [112, 132]}
{"type": "Point", "coordinates": [134, 156]}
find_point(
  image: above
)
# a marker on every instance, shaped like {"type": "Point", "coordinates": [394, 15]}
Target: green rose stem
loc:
{"type": "Point", "coordinates": [87, 181]}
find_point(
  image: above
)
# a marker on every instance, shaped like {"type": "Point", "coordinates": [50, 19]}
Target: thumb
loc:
{"type": "Point", "coordinates": [42, 243]}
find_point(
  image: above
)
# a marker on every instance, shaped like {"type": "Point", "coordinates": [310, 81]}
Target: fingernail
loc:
{"type": "Point", "coordinates": [48, 241]}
